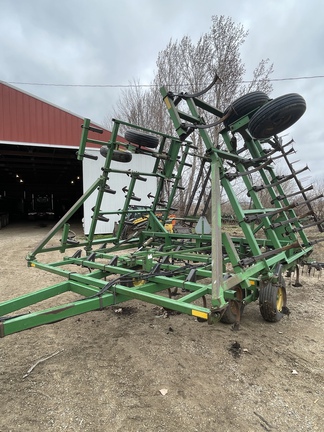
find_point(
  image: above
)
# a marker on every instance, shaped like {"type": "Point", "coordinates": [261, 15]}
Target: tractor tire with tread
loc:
{"type": "Point", "coordinates": [277, 115]}
{"type": "Point", "coordinates": [118, 155]}
{"type": "Point", "coordinates": [272, 301]}
{"type": "Point", "coordinates": [142, 139]}
{"type": "Point", "coordinates": [244, 105]}
{"type": "Point", "coordinates": [122, 156]}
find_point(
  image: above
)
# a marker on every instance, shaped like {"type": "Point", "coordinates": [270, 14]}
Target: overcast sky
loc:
{"type": "Point", "coordinates": [106, 42]}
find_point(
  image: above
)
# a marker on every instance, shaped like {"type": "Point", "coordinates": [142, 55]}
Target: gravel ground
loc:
{"type": "Point", "coordinates": [133, 369]}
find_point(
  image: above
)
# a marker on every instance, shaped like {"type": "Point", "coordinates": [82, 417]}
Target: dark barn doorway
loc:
{"type": "Point", "coordinates": [38, 182]}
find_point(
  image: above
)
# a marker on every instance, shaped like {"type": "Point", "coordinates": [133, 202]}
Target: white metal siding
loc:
{"type": "Point", "coordinates": [91, 172]}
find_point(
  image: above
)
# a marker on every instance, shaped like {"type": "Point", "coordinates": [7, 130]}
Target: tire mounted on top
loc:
{"type": "Point", "coordinates": [244, 105]}
{"type": "Point", "coordinates": [277, 115]}
{"type": "Point", "coordinates": [141, 139]}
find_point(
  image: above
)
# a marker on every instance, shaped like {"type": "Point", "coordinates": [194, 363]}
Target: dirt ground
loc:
{"type": "Point", "coordinates": [110, 369]}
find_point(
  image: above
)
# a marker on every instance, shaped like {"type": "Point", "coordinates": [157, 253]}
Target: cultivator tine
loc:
{"type": "Point", "coordinates": [135, 198]}
{"type": "Point", "coordinates": [87, 156]}
{"type": "Point", "coordinates": [93, 129]}
{"type": "Point", "coordinates": [276, 144]}
{"type": "Point", "coordinates": [114, 261]}
{"type": "Point", "coordinates": [91, 257]}
{"type": "Point", "coordinates": [317, 223]}
{"type": "Point", "coordinates": [308, 201]}
{"type": "Point", "coordinates": [252, 260]}
{"type": "Point", "coordinates": [314, 242]}
{"type": "Point", "coordinates": [256, 161]}
{"type": "Point", "coordinates": [289, 221]}
{"type": "Point", "coordinates": [102, 218]}
{"type": "Point", "coordinates": [279, 180]}
{"type": "Point", "coordinates": [72, 241]}
{"type": "Point", "coordinates": [301, 189]}
{"type": "Point", "coordinates": [283, 154]}
{"type": "Point", "coordinates": [293, 175]}
{"type": "Point", "coordinates": [77, 254]}
{"type": "Point", "coordinates": [107, 189]}
{"type": "Point", "coordinates": [299, 219]}
{"type": "Point", "coordinates": [282, 197]}
{"type": "Point", "coordinates": [232, 176]}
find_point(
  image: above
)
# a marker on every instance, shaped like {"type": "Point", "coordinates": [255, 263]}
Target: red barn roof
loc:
{"type": "Point", "coordinates": [38, 144]}
{"type": "Point", "coordinates": [25, 118]}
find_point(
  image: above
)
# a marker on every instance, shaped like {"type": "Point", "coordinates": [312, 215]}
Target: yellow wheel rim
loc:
{"type": "Point", "coordinates": [280, 299]}
{"type": "Point", "coordinates": [138, 282]}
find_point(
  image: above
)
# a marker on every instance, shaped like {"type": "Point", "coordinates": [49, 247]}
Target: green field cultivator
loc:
{"type": "Point", "coordinates": [201, 270]}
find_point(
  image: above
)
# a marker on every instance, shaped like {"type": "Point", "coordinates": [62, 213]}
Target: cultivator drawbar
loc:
{"type": "Point", "coordinates": [197, 269]}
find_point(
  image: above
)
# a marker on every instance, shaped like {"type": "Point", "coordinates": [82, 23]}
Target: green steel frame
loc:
{"type": "Point", "coordinates": [151, 265]}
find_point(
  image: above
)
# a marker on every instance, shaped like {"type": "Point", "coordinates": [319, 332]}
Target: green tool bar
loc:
{"type": "Point", "coordinates": [90, 278]}
{"type": "Point", "coordinates": [58, 313]}
{"type": "Point", "coordinates": [136, 173]}
{"type": "Point", "coordinates": [193, 257]}
{"type": "Point", "coordinates": [253, 271]}
{"type": "Point", "coordinates": [141, 128]}
{"type": "Point", "coordinates": [169, 282]}
{"type": "Point", "coordinates": [176, 236]}
{"type": "Point", "coordinates": [118, 293]}
{"type": "Point", "coordinates": [105, 268]}
{"type": "Point", "coordinates": [165, 302]}
{"type": "Point", "coordinates": [296, 256]}
{"type": "Point", "coordinates": [195, 251]}
{"type": "Point", "coordinates": [195, 295]}
{"type": "Point", "coordinates": [26, 300]}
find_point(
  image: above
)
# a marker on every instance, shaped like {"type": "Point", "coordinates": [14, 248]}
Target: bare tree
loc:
{"type": "Point", "coordinates": [186, 65]}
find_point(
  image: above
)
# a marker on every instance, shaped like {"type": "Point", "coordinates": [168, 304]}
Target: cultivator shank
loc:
{"type": "Point", "coordinates": [188, 263]}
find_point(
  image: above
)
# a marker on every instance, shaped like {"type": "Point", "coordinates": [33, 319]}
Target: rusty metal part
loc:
{"type": "Point", "coordinates": [252, 260]}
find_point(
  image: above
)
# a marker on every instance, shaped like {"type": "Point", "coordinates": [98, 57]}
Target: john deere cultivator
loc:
{"type": "Point", "coordinates": [202, 270]}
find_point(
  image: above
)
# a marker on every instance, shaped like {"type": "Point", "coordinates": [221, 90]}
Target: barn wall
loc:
{"type": "Point", "coordinates": [91, 172]}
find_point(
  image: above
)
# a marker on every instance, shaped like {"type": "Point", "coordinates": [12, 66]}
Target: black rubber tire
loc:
{"type": "Point", "coordinates": [122, 156]}
{"type": "Point", "coordinates": [118, 155]}
{"type": "Point", "coordinates": [141, 139]}
{"type": "Point", "coordinates": [272, 301]}
{"type": "Point", "coordinates": [277, 115]}
{"type": "Point", "coordinates": [244, 105]}
{"type": "Point", "coordinates": [234, 310]}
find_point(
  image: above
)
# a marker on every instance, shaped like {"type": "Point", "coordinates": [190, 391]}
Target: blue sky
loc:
{"type": "Point", "coordinates": [105, 42]}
